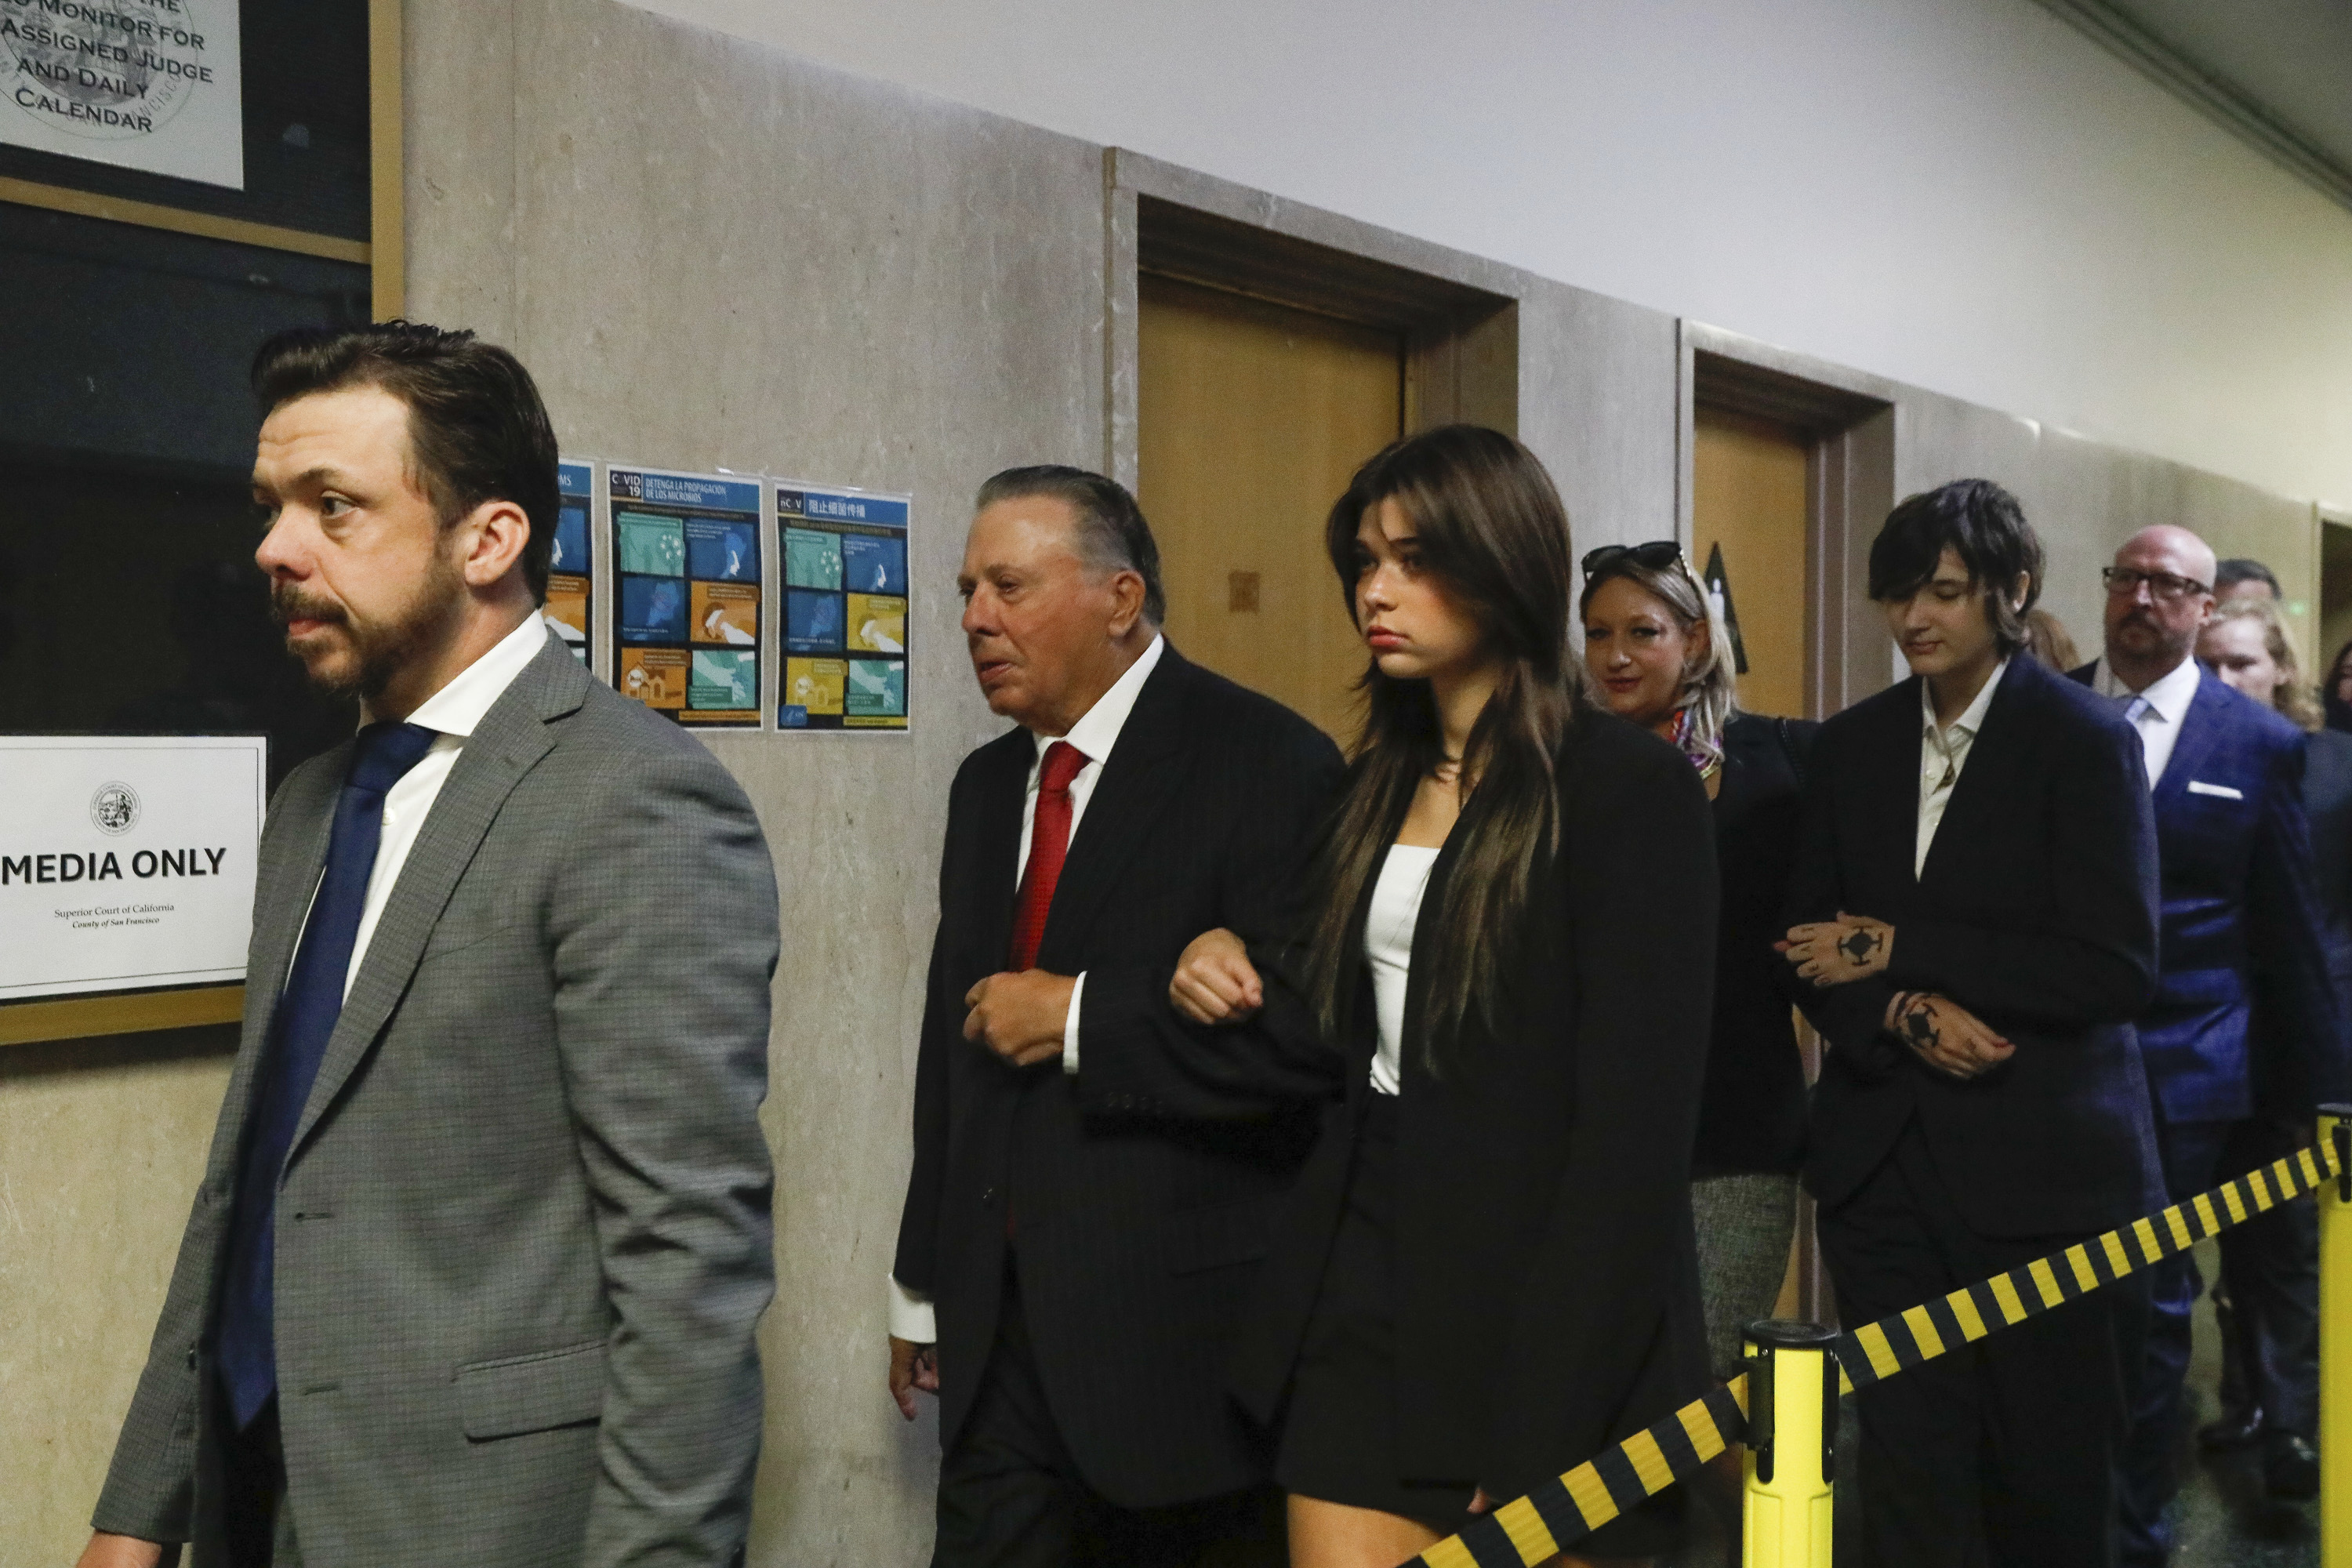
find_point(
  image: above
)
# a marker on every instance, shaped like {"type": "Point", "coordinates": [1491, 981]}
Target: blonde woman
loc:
{"type": "Point", "coordinates": [1656, 653]}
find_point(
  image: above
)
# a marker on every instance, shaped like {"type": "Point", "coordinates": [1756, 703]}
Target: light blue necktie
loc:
{"type": "Point", "coordinates": [2133, 705]}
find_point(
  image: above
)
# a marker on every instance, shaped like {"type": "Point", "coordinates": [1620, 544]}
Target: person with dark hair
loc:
{"type": "Point", "coordinates": [1485, 1275]}
{"type": "Point", "coordinates": [1972, 929]}
{"type": "Point", "coordinates": [2242, 577]}
{"type": "Point", "coordinates": [1093, 1178]}
{"type": "Point", "coordinates": [1656, 653]}
{"type": "Point", "coordinates": [2243, 1026]}
{"type": "Point", "coordinates": [2268, 1307]}
{"type": "Point", "coordinates": [473, 1273]}
{"type": "Point", "coordinates": [2336, 692]}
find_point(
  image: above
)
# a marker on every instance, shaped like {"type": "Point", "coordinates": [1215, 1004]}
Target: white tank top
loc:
{"type": "Point", "coordinates": [1388, 948]}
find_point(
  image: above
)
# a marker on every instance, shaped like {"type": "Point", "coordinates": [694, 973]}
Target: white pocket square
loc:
{"type": "Point", "coordinates": [2219, 792]}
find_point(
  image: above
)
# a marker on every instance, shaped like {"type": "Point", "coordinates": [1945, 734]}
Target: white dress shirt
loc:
{"type": "Point", "coordinates": [1943, 752]}
{"type": "Point", "coordinates": [1388, 926]}
{"type": "Point", "coordinates": [911, 1317]}
{"type": "Point", "coordinates": [2168, 697]}
{"type": "Point", "coordinates": [453, 710]}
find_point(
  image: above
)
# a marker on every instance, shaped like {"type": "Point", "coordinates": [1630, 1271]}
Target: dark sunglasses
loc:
{"type": "Point", "coordinates": [1657, 555]}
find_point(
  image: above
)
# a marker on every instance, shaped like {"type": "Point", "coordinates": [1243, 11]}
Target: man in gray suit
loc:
{"type": "Point", "coordinates": [474, 1270]}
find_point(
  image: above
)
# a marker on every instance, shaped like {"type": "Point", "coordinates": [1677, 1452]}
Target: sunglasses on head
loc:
{"type": "Point", "coordinates": [1657, 555]}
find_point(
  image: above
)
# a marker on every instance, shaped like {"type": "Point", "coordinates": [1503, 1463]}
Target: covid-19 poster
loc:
{"type": "Point", "coordinates": [688, 625]}
{"type": "Point", "coordinates": [844, 608]}
{"type": "Point", "coordinates": [572, 562]}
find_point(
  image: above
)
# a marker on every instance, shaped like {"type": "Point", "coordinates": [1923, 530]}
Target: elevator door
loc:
{"type": "Point", "coordinates": [1750, 497]}
{"type": "Point", "coordinates": [1252, 418]}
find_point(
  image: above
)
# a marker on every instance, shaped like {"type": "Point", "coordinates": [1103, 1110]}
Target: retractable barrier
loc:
{"type": "Point", "coordinates": [1789, 1459]}
{"type": "Point", "coordinates": [2335, 1342]}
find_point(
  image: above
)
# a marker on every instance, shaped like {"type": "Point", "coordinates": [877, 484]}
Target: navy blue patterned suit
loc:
{"type": "Point", "coordinates": [2244, 1020]}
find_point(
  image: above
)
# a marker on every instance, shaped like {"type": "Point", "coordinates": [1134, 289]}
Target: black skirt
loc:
{"type": "Point", "coordinates": [1339, 1423]}
{"type": "Point", "coordinates": [1338, 1434]}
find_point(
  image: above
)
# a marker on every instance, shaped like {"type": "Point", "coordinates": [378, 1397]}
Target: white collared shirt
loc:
{"type": "Point", "coordinates": [2167, 697]}
{"type": "Point", "coordinates": [1943, 752]}
{"type": "Point", "coordinates": [453, 712]}
{"type": "Point", "coordinates": [911, 1316]}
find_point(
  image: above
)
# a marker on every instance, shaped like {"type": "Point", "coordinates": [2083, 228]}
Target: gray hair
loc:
{"type": "Point", "coordinates": [1111, 534]}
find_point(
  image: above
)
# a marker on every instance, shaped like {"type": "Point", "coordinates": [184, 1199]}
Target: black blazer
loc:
{"type": "Point", "coordinates": [2037, 912]}
{"type": "Point", "coordinates": [1547, 1294]}
{"type": "Point", "coordinates": [1141, 1189]}
{"type": "Point", "coordinates": [1751, 1118]}
{"type": "Point", "coordinates": [2328, 801]}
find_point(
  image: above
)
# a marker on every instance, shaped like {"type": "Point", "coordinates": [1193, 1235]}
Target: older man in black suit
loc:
{"type": "Point", "coordinates": [1093, 1178]}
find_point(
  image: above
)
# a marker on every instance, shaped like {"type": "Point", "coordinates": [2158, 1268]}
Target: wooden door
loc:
{"type": "Point", "coordinates": [1750, 497]}
{"type": "Point", "coordinates": [1252, 418]}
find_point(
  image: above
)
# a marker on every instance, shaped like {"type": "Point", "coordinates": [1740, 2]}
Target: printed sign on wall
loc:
{"type": "Point", "coordinates": [844, 608]}
{"type": "Point", "coordinates": [571, 560]}
{"type": "Point", "coordinates": [127, 861]}
{"type": "Point", "coordinates": [143, 84]}
{"type": "Point", "coordinates": [689, 627]}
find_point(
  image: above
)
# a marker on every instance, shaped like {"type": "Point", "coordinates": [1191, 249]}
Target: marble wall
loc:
{"type": "Point", "coordinates": [714, 255]}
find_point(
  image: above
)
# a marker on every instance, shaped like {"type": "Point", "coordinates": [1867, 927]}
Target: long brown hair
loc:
{"type": "Point", "coordinates": [1492, 530]}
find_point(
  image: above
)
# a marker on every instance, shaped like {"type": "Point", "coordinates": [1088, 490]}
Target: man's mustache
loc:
{"type": "Point", "coordinates": [288, 603]}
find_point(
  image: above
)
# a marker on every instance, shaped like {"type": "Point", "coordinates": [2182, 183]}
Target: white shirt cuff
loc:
{"type": "Point", "coordinates": [911, 1316]}
{"type": "Point", "coordinates": [1070, 1026]}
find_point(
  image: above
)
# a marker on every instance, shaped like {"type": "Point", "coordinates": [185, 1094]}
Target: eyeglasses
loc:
{"type": "Point", "coordinates": [2124, 583]}
{"type": "Point", "coordinates": [1657, 555]}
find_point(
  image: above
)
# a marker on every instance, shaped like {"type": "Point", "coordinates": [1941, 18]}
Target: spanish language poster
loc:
{"type": "Point", "coordinates": [689, 625]}
{"type": "Point", "coordinates": [571, 564]}
{"type": "Point", "coordinates": [844, 608]}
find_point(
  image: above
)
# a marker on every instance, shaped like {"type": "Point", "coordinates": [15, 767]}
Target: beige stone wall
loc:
{"type": "Point", "coordinates": [101, 1143]}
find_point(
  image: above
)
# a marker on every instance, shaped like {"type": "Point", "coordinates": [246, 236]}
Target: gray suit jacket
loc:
{"type": "Point", "coordinates": [523, 1236]}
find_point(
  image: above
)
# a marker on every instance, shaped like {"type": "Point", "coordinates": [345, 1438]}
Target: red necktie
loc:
{"type": "Point", "coordinates": [1049, 843]}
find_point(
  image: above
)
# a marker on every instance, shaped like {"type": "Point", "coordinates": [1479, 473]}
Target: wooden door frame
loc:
{"type": "Point", "coordinates": [1458, 312]}
{"type": "Point", "coordinates": [1850, 426]}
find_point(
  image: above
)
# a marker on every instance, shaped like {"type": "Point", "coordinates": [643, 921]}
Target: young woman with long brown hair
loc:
{"type": "Point", "coordinates": [1485, 1274]}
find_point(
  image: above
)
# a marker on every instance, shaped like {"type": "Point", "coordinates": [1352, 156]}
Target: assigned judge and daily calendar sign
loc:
{"type": "Point", "coordinates": [126, 862]}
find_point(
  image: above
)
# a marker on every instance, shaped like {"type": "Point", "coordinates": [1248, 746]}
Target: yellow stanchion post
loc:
{"type": "Point", "coordinates": [1792, 1392]}
{"type": "Point", "coordinates": [2335, 1199]}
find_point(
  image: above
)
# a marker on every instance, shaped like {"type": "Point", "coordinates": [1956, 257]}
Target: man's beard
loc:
{"type": "Point", "coordinates": [379, 650]}
{"type": "Point", "coordinates": [2165, 643]}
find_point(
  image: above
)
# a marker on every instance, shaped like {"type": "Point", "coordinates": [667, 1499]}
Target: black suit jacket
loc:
{"type": "Point", "coordinates": [2036, 912]}
{"type": "Point", "coordinates": [1142, 1188]}
{"type": "Point", "coordinates": [1752, 1115]}
{"type": "Point", "coordinates": [1546, 1289]}
{"type": "Point", "coordinates": [2327, 803]}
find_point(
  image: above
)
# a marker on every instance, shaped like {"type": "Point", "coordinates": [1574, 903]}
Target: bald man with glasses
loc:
{"type": "Point", "coordinates": [2240, 942]}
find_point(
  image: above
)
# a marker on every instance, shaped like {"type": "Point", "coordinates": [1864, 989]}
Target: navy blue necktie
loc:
{"type": "Point", "coordinates": [299, 1029]}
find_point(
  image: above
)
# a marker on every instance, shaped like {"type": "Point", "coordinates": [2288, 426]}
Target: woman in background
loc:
{"type": "Point", "coordinates": [1656, 653]}
{"type": "Point", "coordinates": [2336, 692]}
{"type": "Point", "coordinates": [1485, 1274]}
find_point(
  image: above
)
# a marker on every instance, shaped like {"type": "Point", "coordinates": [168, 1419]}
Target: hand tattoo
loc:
{"type": "Point", "coordinates": [1859, 946]}
{"type": "Point", "coordinates": [1917, 1027]}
